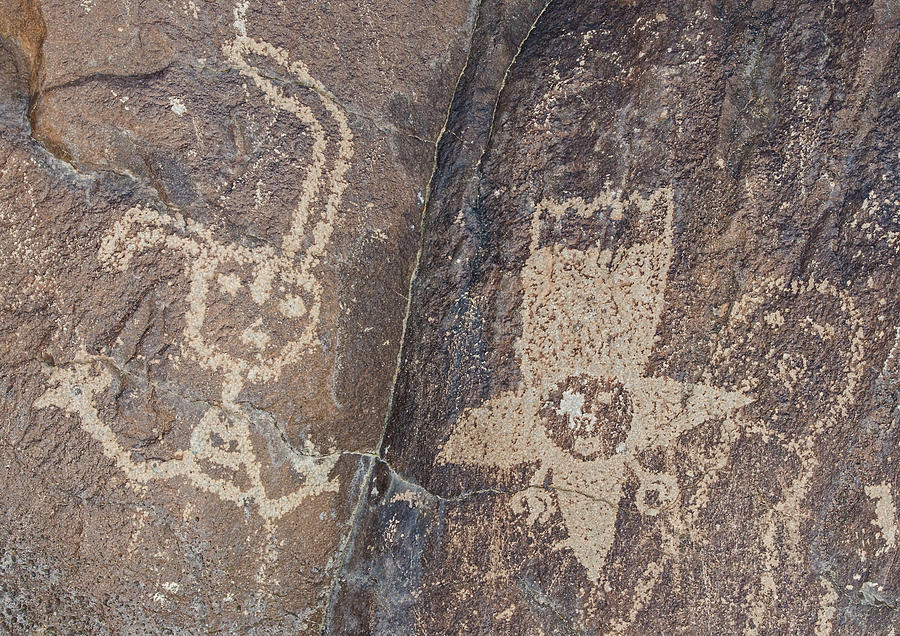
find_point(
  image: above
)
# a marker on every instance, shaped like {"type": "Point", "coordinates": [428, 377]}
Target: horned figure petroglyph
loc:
{"type": "Point", "coordinates": [266, 316]}
{"type": "Point", "coordinates": [586, 408]}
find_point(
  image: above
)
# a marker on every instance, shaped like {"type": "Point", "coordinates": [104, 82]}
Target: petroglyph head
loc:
{"type": "Point", "coordinates": [253, 310]}
{"type": "Point", "coordinates": [250, 313]}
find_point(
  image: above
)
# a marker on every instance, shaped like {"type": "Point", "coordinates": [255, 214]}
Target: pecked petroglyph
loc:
{"type": "Point", "coordinates": [266, 299]}
{"type": "Point", "coordinates": [76, 388]}
{"type": "Point", "coordinates": [885, 514]}
{"type": "Point", "coordinates": [586, 408]}
{"type": "Point", "coordinates": [807, 341]}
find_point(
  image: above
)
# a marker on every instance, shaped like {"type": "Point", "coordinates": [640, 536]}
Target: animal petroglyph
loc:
{"type": "Point", "coordinates": [587, 409]}
{"type": "Point", "coordinates": [252, 312]}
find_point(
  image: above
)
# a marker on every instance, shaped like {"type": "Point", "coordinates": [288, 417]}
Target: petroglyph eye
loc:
{"type": "Point", "coordinates": [215, 440]}
{"type": "Point", "coordinates": [587, 417]}
{"type": "Point", "coordinates": [654, 492]}
{"type": "Point", "coordinates": [253, 311]}
{"type": "Point", "coordinates": [292, 306]}
{"type": "Point", "coordinates": [255, 335]}
{"type": "Point", "coordinates": [229, 283]}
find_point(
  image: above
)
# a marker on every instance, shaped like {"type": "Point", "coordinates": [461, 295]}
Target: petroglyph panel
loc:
{"type": "Point", "coordinates": [589, 319]}
{"type": "Point", "coordinates": [210, 216]}
{"type": "Point", "coordinates": [500, 317]}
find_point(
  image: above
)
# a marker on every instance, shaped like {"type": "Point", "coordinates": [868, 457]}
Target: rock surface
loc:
{"type": "Point", "coordinates": [641, 258]}
{"type": "Point", "coordinates": [210, 218]}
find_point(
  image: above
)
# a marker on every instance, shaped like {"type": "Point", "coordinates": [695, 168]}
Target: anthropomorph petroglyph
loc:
{"type": "Point", "coordinates": [267, 301]}
{"type": "Point", "coordinates": [586, 408]}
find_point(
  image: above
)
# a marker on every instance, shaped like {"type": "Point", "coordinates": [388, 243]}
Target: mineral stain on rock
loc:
{"type": "Point", "coordinates": [500, 317]}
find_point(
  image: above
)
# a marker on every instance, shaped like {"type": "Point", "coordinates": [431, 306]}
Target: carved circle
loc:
{"type": "Point", "coordinates": [588, 417]}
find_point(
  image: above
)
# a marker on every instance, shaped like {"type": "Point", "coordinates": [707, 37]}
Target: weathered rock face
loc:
{"type": "Point", "coordinates": [210, 218]}
{"type": "Point", "coordinates": [650, 369]}
{"type": "Point", "coordinates": [649, 380]}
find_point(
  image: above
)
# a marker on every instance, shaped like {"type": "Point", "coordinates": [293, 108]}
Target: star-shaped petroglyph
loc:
{"type": "Point", "coordinates": [586, 408]}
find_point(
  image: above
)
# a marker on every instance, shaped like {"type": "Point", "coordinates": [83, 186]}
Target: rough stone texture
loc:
{"type": "Point", "coordinates": [209, 220]}
{"type": "Point", "coordinates": [649, 380]}
{"type": "Point", "coordinates": [650, 364]}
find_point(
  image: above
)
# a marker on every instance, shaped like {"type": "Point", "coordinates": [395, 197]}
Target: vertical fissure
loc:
{"type": "Point", "coordinates": [365, 485]}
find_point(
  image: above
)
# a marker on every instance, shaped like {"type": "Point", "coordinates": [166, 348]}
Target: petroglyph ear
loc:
{"type": "Point", "coordinates": [599, 300]}
{"type": "Point", "coordinates": [799, 344]}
